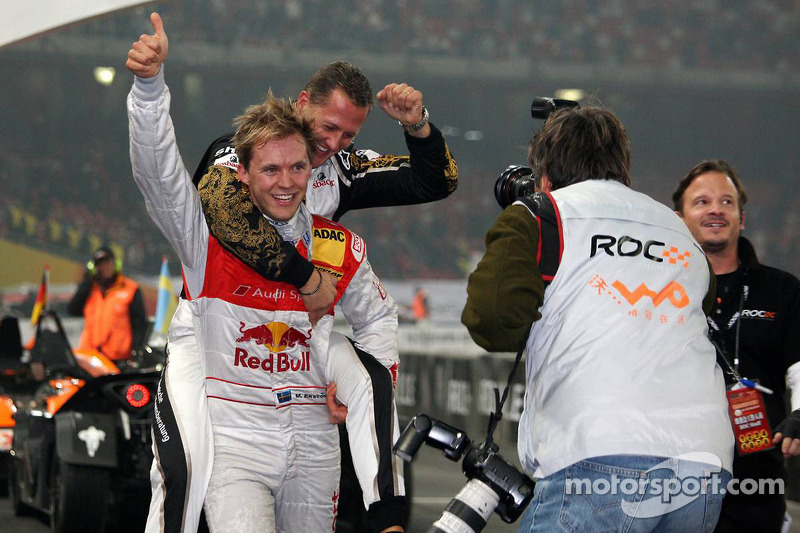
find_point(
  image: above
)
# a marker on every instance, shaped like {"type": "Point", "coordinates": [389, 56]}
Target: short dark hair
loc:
{"type": "Point", "coordinates": [709, 165]}
{"type": "Point", "coordinates": [579, 144]}
{"type": "Point", "coordinates": [339, 75]}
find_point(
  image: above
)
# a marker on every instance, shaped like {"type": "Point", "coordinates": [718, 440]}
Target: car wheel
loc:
{"type": "Point", "coordinates": [78, 498]}
{"type": "Point", "coordinates": [15, 490]}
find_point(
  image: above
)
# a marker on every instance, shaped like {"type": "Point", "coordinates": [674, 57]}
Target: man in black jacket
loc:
{"type": "Point", "coordinates": [756, 327]}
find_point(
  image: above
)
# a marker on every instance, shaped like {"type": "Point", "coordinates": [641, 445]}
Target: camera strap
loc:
{"type": "Point", "coordinates": [550, 249]}
{"type": "Point", "coordinates": [497, 415]}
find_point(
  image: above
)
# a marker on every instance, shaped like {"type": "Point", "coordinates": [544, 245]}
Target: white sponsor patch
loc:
{"type": "Point", "coordinates": [357, 247]}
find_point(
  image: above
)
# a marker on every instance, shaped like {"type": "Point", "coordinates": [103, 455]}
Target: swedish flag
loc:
{"type": "Point", "coordinates": [167, 301]}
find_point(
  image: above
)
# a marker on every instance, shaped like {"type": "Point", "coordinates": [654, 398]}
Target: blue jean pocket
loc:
{"type": "Point", "coordinates": [593, 495]}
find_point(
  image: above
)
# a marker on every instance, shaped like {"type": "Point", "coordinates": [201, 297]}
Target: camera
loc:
{"type": "Point", "coordinates": [517, 181]}
{"type": "Point", "coordinates": [541, 106]}
{"type": "Point", "coordinates": [514, 182]}
{"type": "Point", "coordinates": [493, 483]}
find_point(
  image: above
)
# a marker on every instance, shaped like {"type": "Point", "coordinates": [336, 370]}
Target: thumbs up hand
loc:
{"type": "Point", "coordinates": [150, 51]}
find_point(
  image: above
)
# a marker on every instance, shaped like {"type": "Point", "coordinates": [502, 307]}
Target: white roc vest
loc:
{"type": "Point", "coordinates": [620, 362]}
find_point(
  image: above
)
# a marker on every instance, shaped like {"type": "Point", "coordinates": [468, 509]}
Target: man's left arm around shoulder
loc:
{"type": "Point", "coordinates": [506, 289]}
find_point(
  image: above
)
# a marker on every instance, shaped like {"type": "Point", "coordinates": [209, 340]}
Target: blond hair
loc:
{"type": "Point", "coordinates": [273, 119]}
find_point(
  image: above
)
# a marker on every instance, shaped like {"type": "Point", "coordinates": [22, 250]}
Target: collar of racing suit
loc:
{"type": "Point", "coordinates": [296, 228]}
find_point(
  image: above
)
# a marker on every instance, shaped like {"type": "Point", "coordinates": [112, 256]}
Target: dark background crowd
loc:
{"type": "Point", "coordinates": [690, 79]}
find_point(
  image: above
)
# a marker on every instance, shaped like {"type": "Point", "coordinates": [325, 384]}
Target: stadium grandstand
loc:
{"type": "Point", "coordinates": [690, 79]}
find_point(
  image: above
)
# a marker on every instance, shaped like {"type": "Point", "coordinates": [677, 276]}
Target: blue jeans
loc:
{"type": "Point", "coordinates": [628, 494]}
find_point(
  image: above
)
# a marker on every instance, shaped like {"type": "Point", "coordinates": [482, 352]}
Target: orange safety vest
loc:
{"type": "Point", "coordinates": [419, 308]}
{"type": "Point", "coordinates": [107, 320]}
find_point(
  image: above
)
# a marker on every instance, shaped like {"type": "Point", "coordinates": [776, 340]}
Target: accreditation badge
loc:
{"type": "Point", "coordinates": [749, 418]}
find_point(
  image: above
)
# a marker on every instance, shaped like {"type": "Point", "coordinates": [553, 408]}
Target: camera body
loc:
{"type": "Point", "coordinates": [517, 181]}
{"type": "Point", "coordinates": [514, 489]}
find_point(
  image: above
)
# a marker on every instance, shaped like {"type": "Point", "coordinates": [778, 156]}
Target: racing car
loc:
{"type": "Point", "coordinates": [81, 448]}
{"type": "Point", "coordinates": [12, 385]}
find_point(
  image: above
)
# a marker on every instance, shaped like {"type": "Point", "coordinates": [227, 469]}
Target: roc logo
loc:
{"type": "Point", "coordinates": [275, 336]}
{"type": "Point", "coordinates": [673, 256]}
{"type": "Point", "coordinates": [626, 246]}
{"type": "Point", "coordinates": [755, 313]}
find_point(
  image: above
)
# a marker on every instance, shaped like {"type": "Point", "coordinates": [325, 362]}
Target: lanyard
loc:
{"type": "Point", "coordinates": [734, 321]}
{"type": "Point", "coordinates": [733, 369]}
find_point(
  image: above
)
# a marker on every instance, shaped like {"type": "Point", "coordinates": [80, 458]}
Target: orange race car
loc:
{"type": "Point", "coordinates": [81, 447]}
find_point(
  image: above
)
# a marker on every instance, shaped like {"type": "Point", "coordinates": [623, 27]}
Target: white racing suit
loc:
{"type": "Point", "coordinates": [263, 365]}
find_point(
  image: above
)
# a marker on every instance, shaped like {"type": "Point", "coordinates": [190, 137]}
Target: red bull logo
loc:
{"type": "Point", "coordinates": [275, 336]}
{"type": "Point", "coordinates": [272, 363]}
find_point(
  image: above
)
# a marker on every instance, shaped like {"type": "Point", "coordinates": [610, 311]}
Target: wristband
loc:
{"type": "Point", "coordinates": [419, 125]}
{"type": "Point", "coordinates": [301, 293]}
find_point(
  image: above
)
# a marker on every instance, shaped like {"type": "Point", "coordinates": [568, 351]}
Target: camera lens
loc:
{"type": "Point", "coordinates": [541, 106]}
{"type": "Point", "coordinates": [515, 181]}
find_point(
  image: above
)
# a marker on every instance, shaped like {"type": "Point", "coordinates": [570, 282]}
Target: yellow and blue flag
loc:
{"type": "Point", "coordinates": [167, 301]}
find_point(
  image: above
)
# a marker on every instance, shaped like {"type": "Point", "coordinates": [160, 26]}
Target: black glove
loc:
{"type": "Point", "coordinates": [790, 427]}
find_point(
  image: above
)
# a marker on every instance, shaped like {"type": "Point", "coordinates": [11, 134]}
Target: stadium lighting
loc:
{"type": "Point", "coordinates": [570, 94]}
{"type": "Point", "coordinates": [104, 75]}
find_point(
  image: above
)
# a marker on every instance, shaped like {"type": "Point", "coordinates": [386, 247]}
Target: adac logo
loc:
{"type": "Point", "coordinates": [627, 246]}
{"type": "Point", "coordinates": [275, 336]}
{"type": "Point", "coordinates": [330, 234]}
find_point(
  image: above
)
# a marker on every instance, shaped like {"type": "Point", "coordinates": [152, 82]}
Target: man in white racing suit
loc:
{"type": "Point", "coordinates": [337, 98]}
{"type": "Point", "coordinates": [241, 308]}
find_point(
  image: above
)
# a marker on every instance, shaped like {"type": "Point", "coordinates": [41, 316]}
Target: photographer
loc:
{"type": "Point", "coordinates": [112, 305]}
{"type": "Point", "coordinates": [607, 289]}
